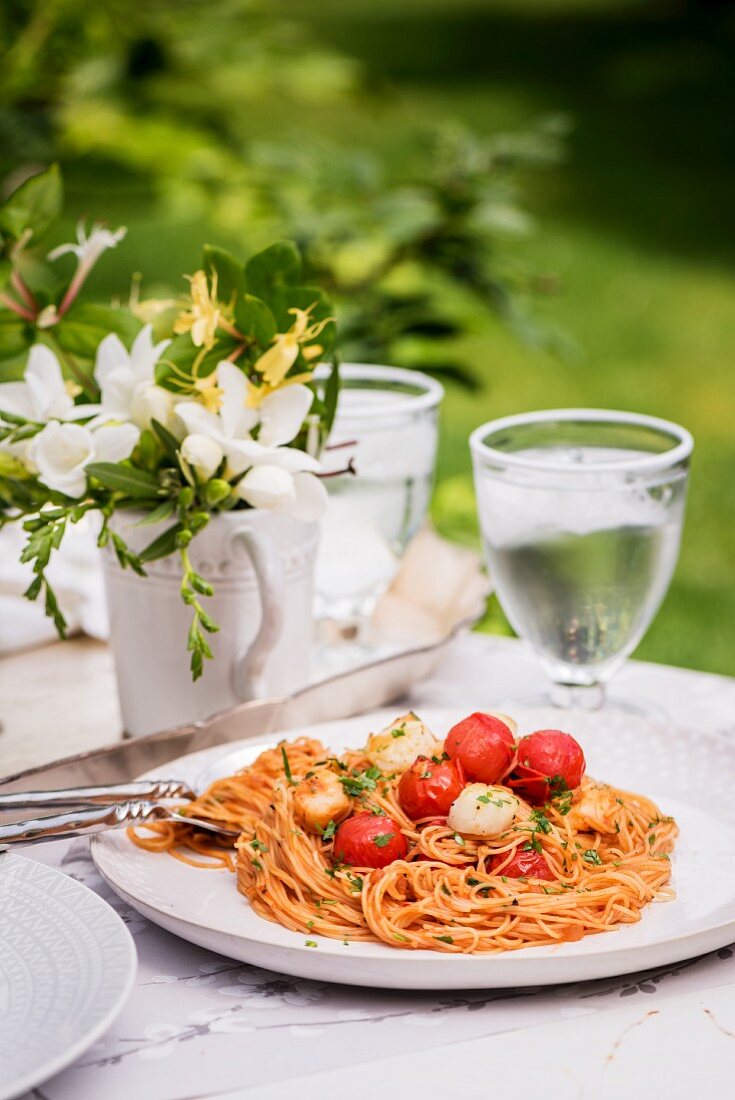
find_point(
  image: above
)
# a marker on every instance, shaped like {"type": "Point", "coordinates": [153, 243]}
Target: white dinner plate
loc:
{"type": "Point", "coordinates": [689, 775]}
{"type": "Point", "coordinates": [67, 965]}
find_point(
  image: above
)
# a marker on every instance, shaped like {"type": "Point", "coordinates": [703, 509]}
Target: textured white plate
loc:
{"type": "Point", "coordinates": [67, 964]}
{"type": "Point", "coordinates": [689, 775]}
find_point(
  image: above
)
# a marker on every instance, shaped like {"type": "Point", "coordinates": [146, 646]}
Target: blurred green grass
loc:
{"type": "Point", "coordinates": [634, 224]}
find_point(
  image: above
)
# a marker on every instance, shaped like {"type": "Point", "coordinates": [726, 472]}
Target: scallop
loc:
{"type": "Point", "coordinates": [482, 811]}
{"type": "Point", "coordinates": [320, 798]}
{"type": "Point", "coordinates": [396, 747]}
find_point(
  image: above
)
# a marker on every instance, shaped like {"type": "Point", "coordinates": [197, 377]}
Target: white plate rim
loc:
{"type": "Point", "coordinates": [76, 1049]}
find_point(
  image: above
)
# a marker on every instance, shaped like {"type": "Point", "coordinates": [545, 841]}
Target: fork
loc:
{"type": "Point", "coordinates": [99, 819]}
{"type": "Point", "coordinates": [151, 790]}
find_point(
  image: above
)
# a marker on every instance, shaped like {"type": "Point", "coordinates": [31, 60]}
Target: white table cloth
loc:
{"type": "Point", "coordinates": [199, 1024]}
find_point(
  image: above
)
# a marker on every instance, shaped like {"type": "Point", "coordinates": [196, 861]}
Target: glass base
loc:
{"type": "Point", "coordinates": [576, 716]}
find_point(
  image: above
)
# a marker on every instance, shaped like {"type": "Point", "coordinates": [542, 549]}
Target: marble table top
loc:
{"type": "Point", "coordinates": [199, 1024]}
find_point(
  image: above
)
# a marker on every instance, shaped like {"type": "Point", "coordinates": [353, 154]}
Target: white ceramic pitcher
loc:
{"type": "Point", "coordinates": [261, 565]}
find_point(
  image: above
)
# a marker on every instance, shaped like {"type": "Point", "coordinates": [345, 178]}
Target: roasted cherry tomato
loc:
{"type": "Point", "coordinates": [524, 864]}
{"type": "Point", "coordinates": [545, 758]}
{"type": "Point", "coordinates": [428, 789]}
{"type": "Point", "coordinates": [484, 746]}
{"type": "Point", "coordinates": [530, 785]}
{"type": "Point", "coordinates": [369, 840]}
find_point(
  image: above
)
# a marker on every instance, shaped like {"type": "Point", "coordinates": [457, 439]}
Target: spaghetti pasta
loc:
{"type": "Point", "coordinates": [604, 855]}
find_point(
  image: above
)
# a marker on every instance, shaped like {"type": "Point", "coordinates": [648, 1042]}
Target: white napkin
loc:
{"type": "Point", "coordinates": [438, 586]}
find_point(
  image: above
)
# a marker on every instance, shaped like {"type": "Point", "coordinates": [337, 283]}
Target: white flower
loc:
{"type": "Point", "coordinates": [88, 249]}
{"type": "Point", "coordinates": [43, 394]}
{"type": "Point", "coordinates": [275, 475]}
{"type": "Point", "coordinates": [61, 451]}
{"type": "Point", "coordinates": [202, 453]}
{"type": "Point", "coordinates": [127, 380]}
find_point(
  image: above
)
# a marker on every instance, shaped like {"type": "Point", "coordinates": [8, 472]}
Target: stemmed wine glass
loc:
{"type": "Point", "coordinates": [581, 512]}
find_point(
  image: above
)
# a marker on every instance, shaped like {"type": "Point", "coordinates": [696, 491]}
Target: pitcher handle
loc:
{"type": "Point", "coordinates": [249, 667]}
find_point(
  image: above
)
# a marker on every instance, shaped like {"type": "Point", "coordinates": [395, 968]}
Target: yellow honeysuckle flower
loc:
{"type": "Point", "coordinates": [275, 363]}
{"type": "Point", "coordinates": [204, 314]}
{"type": "Point", "coordinates": [258, 394]}
{"type": "Point", "coordinates": [209, 393]}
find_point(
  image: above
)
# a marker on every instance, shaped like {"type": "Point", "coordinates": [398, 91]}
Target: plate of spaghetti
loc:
{"type": "Point", "coordinates": [445, 851]}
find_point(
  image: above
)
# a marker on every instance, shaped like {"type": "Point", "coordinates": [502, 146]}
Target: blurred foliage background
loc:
{"type": "Point", "coordinates": [530, 198]}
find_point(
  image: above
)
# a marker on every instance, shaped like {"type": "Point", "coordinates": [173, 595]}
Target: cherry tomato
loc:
{"type": "Point", "coordinates": [369, 840]}
{"type": "Point", "coordinates": [524, 864]}
{"type": "Point", "coordinates": [552, 753]}
{"type": "Point", "coordinates": [530, 785]}
{"type": "Point", "coordinates": [484, 746]}
{"type": "Point", "coordinates": [428, 789]}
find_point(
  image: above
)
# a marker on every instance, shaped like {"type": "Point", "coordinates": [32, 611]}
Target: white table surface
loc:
{"type": "Point", "coordinates": [198, 1024]}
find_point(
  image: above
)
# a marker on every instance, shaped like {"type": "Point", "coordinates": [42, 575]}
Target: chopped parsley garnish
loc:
{"type": "Point", "coordinates": [382, 839]}
{"type": "Point", "coordinates": [400, 938]}
{"type": "Point", "coordinates": [357, 883]}
{"type": "Point", "coordinates": [329, 830]}
{"type": "Point", "coordinates": [426, 775]}
{"type": "Point", "coordinates": [542, 821]}
{"type": "Point", "coordinates": [532, 845]}
{"type": "Point", "coordinates": [336, 866]}
{"type": "Point", "coordinates": [258, 845]}
{"type": "Point", "coordinates": [485, 799]}
{"type": "Point", "coordinates": [440, 759]}
{"type": "Point", "coordinates": [398, 733]}
{"type": "Point", "coordinates": [310, 924]}
{"type": "Point", "coordinates": [359, 782]}
{"type": "Point", "coordinates": [257, 864]}
{"type": "Point", "coordinates": [558, 785]}
{"type": "Point", "coordinates": [444, 939]}
{"type": "Point", "coordinates": [446, 890]}
{"type": "Point", "coordinates": [458, 840]}
{"type": "Point", "coordinates": [592, 856]}
{"type": "Point", "coordinates": [473, 882]}
{"type": "Point", "coordinates": [310, 943]}
{"type": "Point", "coordinates": [287, 768]}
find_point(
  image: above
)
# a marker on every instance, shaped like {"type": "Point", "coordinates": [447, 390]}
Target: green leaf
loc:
{"type": "Point", "coordinates": [162, 546]}
{"type": "Point", "coordinates": [181, 353]}
{"type": "Point", "coordinates": [125, 479]}
{"type": "Point", "coordinates": [276, 266]}
{"type": "Point", "coordinates": [169, 441]}
{"type": "Point", "coordinates": [5, 271]}
{"type": "Point", "coordinates": [85, 325]}
{"type": "Point", "coordinates": [35, 205]}
{"type": "Point", "coordinates": [254, 318]}
{"type": "Point", "coordinates": [161, 512]}
{"type": "Point", "coordinates": [230, 272]}
{"type": "Point", "coordinates": [16, 337]}
{"type": "Point", "coordinates": [331, 397]}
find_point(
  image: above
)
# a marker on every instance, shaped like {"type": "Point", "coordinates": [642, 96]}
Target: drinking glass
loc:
{"type": "Point", "coordinates": [581, 512]}
{"type": "Point", "coordinates": [385, 430]}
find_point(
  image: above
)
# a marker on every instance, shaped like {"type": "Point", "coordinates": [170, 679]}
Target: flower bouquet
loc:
{"type": "Point", "coordinates": [174, 412]}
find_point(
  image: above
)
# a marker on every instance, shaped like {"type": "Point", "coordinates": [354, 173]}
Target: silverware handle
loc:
{"type": "Point", "coordinates": [81, 822]}
{"type": "Point", "coordinates": [150, 790]}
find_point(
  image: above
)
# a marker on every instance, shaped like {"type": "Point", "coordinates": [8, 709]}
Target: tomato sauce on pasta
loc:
{"type": "Point", "coordinates": [569, 861]}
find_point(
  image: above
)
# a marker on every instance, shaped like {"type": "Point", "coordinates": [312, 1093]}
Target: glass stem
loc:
{"type": "Point", "coordinates": [577, 696]}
